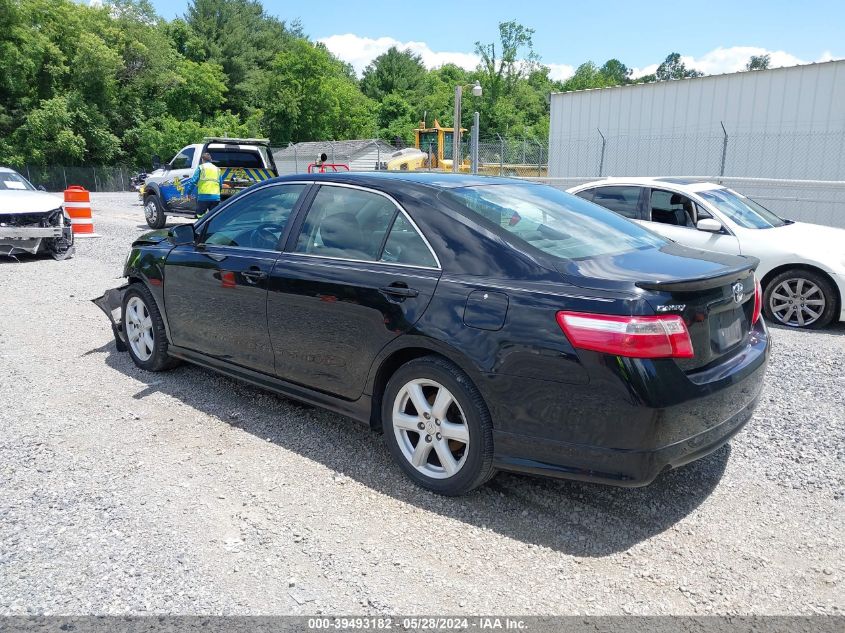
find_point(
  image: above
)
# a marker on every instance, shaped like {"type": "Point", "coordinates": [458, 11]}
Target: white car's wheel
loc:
{"type": "Point", "coordinates": [800, 298]}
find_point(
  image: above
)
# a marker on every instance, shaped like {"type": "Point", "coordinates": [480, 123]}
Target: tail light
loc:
{"type": "Point", "coordinates": [663, 336]}
{"type": "Point", "coordinates": [758, 301]}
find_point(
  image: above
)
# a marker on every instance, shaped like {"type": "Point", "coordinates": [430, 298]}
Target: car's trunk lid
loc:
{"type": "Point", "coordinates": [713, 292]}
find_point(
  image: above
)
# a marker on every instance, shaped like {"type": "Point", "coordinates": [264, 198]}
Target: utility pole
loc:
{"type": "Point", "coordinates": [456, 130]}
{"type": "Point", "coordinates": [474, 142]}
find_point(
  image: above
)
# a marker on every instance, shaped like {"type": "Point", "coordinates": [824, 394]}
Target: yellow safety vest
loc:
{"type": "Point", "coordinates": [209, 183]}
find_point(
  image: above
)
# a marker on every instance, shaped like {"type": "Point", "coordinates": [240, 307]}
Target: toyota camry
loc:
{"type": "Point", "coordinates": [482, 324]}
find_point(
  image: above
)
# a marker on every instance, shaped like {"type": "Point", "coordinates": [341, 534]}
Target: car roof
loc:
{"type": "Point", "coordinates": [392, 179]}
{"type": "Point", "coordinates": [691, 185]}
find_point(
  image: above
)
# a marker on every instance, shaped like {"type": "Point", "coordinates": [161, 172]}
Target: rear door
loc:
{"type": "Point", "coordinates": [675, 215]}
{"type": "Point", "coordinates": [356, 274]}
{"type": "Point", "coordinates": [215, 291]}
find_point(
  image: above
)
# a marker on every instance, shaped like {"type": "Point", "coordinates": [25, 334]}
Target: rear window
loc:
{"type": "Point", "coordinates": [235, 158]}
{"type": "Point", "coordinates": [553, 221]}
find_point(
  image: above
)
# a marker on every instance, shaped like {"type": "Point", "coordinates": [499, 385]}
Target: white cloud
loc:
{"type": "Point", "coordinates": [560, 71]}
{"type": "Point", "coordinates": [360, 51]}
{"type": "Point", "coordinates": [733, 59]}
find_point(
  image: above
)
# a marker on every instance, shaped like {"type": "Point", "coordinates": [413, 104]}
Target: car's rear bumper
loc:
{"type": "Point", "coordinates": [628, 432]}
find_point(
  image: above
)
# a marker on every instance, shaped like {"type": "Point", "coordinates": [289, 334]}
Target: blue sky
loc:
{"type": "Point", "coordinates": [715, 36]}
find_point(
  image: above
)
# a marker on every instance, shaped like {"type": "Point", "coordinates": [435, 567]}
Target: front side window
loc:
{"type": "Point", "coordinates": [668, 207]}
{"type": "Point", "coordinates": [622, 200]}
{"type": "Point", "coordinates": [553, 221]}
{"type": "Point", "coordinates": [256, 220]}
{"type": "Point", "coordinates": [743, 211]}
{"type": "Point", "coordinates": [346, 223]}
{"type": "Point", "coordinates": [184, 159]}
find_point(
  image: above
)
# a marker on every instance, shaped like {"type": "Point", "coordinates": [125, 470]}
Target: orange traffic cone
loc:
{"type": "Point", "coordinates": [78, 206]}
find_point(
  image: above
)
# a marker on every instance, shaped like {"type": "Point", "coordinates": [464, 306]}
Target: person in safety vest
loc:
{"type": "Point", "coordinates": [208, 180]}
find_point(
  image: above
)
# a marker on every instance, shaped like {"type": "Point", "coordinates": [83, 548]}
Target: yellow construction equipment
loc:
{"type": "Point", "coordinates": [432, 151]}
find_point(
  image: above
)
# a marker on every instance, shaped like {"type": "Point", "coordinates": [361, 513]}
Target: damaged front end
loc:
{"type": "Point", "coordinates": [112, 304]}
{"type": "Point", "coordinates": [36, 232]}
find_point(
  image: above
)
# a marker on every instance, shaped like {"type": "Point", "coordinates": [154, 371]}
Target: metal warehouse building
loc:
{"type": "Point", "coordinates": [760, 131]}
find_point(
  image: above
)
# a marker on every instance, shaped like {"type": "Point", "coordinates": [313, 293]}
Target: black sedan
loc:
{"type": "Point", "coordinates": [483, 324]}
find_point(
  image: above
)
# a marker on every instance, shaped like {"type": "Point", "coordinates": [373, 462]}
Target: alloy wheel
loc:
{"type": "Point", "coordinates": [430, 428]}
{"type": "Point", "coordinates": [797, 302]}
{"type": "Point", "coordinates": [150, 210]}
{"type": "Point", "coordinates": [139, 328]}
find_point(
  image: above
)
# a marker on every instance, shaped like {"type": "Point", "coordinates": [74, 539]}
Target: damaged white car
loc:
{"type": "Point", "coordinates": [31, 221]}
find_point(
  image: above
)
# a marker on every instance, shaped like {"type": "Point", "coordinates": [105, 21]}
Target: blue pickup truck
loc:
{"type": "Point", "coordinates": [243, 161]}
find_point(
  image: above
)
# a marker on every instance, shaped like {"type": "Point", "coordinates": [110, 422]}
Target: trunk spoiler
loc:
{"type": "Point", "coordinates": [721, 278]}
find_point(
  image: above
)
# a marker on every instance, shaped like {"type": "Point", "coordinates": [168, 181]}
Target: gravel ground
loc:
{"type": "Point", "coordinates": [123, 491]}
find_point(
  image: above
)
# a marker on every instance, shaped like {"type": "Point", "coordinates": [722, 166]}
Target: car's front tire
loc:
{"type": "Point", "coordinates": [437, 426]}
{"type": "Point", "coordinates": [144, 330]}
{"type": "Point", "coordinates": [154, 212]}
{"type": "Point", "coordinates": [800, 298]}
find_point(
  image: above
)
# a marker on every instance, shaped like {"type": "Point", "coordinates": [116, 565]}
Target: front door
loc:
{"type": "Point", "coordinates": [172, 188]}
{"type": "Point", "coordinates": [358, 274]}
{"type": "Point", "coordinates": [675, 215]}
{"type": "Point", "coordinates": [215, 291]}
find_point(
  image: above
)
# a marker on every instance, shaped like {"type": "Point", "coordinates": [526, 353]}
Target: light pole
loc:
{"type": "Point", "coordinates": [456, 133]}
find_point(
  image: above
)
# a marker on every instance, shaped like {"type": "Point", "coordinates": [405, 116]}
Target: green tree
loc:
{"type": "Point", "coordinates": [758, 62]}
{"type": "Point", "coordinates": [309, 95]}
{"type": "Point", "coordinates": [393, 71]}
{"type": "Point", "coordinates": [673, 68]}
{"type": "Point", "coordinates": [615, 72]}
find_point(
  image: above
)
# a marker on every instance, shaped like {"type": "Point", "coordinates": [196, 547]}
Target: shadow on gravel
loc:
{"type": "Point", "coordinates": [572, 517]}
{"type": "Point", "coordinates": [835, 329]}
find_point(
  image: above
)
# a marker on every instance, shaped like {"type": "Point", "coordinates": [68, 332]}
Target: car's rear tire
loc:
{"type": "Point", "coordinates": [800, 298]}
{"type": "Point", "coordinates": [144, 330]}
{"type": "Point", "coordinates": [447, 447]}
{"type": "Point", "coordinates": [154, 212]}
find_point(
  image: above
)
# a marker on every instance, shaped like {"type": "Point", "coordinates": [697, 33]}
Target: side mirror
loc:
{"type": "Point", "coordinates": [710, 225]}
{"type": "Point", "coordinates": [42, 188]}
{"type": "Point", "coordinates": [156, 160]}
{"type": "Point", "coordinates": [182, 234]}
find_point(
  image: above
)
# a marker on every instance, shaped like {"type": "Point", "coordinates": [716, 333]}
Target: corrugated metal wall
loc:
{"type": "Point", "coordinates": [786, 124]}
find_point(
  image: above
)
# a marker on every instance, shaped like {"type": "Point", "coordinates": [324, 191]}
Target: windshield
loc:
{"type": "Point", "coordinates": [741, 210]}
{"type": "Point", "coordinates": [553, 221]}
{"type": "Point", "coordinates": [10, 180]}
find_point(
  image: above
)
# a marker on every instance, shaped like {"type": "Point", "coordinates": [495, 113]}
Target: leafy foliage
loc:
{"type": "Point", "coordinates": [758, 62]}
{"type": "Point", "coordinates": [83, 84]}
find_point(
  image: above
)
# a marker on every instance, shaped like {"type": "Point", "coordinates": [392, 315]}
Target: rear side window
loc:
{"type": "Point", "coordinates": [346, 223]}
{"type": "Point", "coordinates": [621, 200]}
{"type": "Point", "coordinates": [236, 158]}
{"type": "Point", "coordinates": [553, 221]}
{"type": "Point", "coordinates": [405, 246]}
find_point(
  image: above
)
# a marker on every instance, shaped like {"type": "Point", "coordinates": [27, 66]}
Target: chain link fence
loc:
{"type": "Point", "coordinates": [798, 175]}
{"type": "Point", "coordinates": [99, 179]}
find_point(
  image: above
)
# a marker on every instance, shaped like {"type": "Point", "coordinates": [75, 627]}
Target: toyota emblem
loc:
{"type": "Point", "coordinates": [739, 292]}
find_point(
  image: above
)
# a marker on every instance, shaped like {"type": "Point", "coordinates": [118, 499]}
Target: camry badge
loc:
{"type": "Point", "coordinates": [739, 292]}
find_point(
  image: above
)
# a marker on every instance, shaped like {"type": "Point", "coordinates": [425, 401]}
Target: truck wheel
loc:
{"type": "Point", "coordinates": [154, 212]}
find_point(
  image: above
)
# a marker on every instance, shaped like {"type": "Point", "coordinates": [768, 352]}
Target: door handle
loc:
{"type": "Point", "coordinates": [253, 275]}
{"type": "Point", "coordinates": [400, 291]}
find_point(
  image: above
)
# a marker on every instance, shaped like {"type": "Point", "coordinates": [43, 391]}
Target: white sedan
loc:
{"type": "Point", "coordinates": [31, 221]}
{"type": "Point", "coordinates": [802, 266]}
